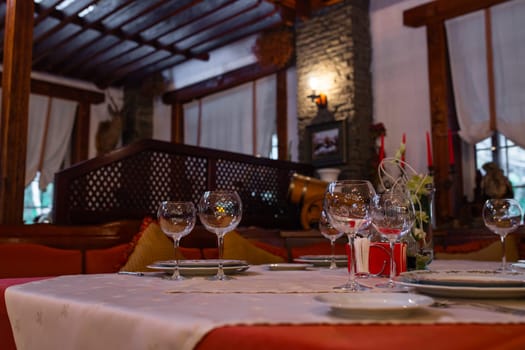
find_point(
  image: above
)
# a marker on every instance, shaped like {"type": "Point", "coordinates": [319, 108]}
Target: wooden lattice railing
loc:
{"type": "Point", "coordinates": [129, 184]}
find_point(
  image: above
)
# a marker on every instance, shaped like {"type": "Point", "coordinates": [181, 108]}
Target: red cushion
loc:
{"type": "Point", "coordinates": [279, 251]}
{"type": "Point", "coordinates": [191, 253]}
{"type": "Point", "coordinates": [107, 260]}
{"type": "Point", "coordinates": [32, 260]}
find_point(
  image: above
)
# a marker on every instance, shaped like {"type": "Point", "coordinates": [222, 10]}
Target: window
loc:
{"type": "Point", "coordinates": [37, 203]}
{"type": "Point", "coordinates": [509, 157]}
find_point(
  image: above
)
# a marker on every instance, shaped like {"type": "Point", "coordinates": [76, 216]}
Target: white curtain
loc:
{"type": "Point", "coordinates": [61, 121]}
{"type": "Point", "coordinates": [400, 79]}
{"type": "Point", "coordinates": [226, 119]}
{"type": "Point", "coordinates": [467, 49]}
{"type": "Point", "coordinates": [466, 42]}
{"type": "Point", "coordinates": [508, 31]}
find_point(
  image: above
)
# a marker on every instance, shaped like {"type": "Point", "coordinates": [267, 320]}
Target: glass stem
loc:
{"type": "Point", "coordinates": [392, 264]}
{"type": "Point", "coordinates": [333, 265]}
{"type": "Point", "coordinates": [503, 255]}
{"type": "Point", "coordinates": [220, 245]}
{"type": "Point", "coordinates": [176, 272]}
{"type": "Point", "coordinates": [351, 277]}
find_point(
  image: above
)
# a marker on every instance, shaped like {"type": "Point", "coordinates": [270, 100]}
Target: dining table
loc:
{"type": "Point", "coordinates": [259, 308]}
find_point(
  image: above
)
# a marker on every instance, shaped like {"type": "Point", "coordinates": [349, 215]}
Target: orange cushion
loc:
{"type": "Point", "coordinates": [151, 244]}
{"type": "Point", "coordinates": [238, 247]}
{"type": "Point", "coordinates": [33, 260]}
{"type": "Point", "coordinates": [107, 260]}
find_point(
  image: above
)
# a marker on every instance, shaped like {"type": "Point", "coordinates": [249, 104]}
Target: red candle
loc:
{"type": "Point", "coordinates": [450, 148]}
{"type": "Point", "coordinates": [429, 151]}
{"type": "Point", "coordinates": [382, 148]}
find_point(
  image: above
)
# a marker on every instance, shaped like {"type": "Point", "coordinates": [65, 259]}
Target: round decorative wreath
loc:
{"type": "Point", "coordinates": [274, 48]}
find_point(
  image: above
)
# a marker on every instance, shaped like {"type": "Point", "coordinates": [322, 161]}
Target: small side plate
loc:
{"type": "Point", "coordinates": [287, 267]}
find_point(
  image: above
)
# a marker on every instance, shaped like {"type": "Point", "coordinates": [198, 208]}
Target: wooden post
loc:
{"type": "Point", "coordinates": [80, 140]}
{"type": "Point", "coordinates": [177, 123]}
{"type": "Point", "coordinates": [439, 97]}
{"type": "Point", "coordinates": [16, 77]}
{"type": "Point", "coordinates": [282, 115]}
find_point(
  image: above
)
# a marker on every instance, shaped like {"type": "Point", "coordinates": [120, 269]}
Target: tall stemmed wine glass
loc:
{"type": "Point", "coordinates": [393, 216]}
{"type": "Point", "coordinates": [176, 219]}
{"type": "Point", "coordinates": [502, 216]}
{"type": "Point", "coordinates": [220, 211]}
{"type": "Point", "coordinates": [347, 203]}
{"type": "Point", "coordinates": [329, 232]}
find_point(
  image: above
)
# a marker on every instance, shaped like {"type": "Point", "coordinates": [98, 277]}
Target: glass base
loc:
{"type": "Point", "coordinates": [505, 269]}
{"type": "Point", "coordinates": [391, 286]}
{"type": "Point", "coordinates": [174, 278]}
{"type": "Point", "coordinates": [219, 277]}
{"type": "Point", "coordinates": [352, 286]}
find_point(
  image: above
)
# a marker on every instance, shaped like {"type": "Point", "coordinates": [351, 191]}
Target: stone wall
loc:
{"type": "Point", "coordinates": [335, 45]}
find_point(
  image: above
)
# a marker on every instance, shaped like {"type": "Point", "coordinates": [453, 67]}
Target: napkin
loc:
{"type": "Point", "coordinates": [378, 254]}
{"type": "Point", "coordinates": [362, 250]}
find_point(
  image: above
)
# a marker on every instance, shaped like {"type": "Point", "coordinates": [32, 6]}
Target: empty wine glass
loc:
{"type": "Point", "coordinates": [220, 211]}
{"type": "Point", "coordinates": [393, 215]}
{"type": "Point", "coordinates": [347, 204]}
{"type": "Point", "coordinates": [329, 232]}
{"type": "Point", "coordinates": [502, 216]}
{"type": "Point", "coordinates": [176, 219]}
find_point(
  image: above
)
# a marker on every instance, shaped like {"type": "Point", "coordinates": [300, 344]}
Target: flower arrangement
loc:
{"type": "Point", "coordinates": [395, 172]}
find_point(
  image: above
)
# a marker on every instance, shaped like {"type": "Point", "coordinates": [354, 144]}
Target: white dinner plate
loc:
{"type": "Point", "coordinates": [519, 266]}
{"type": "Point", "coordinates": [375, 304]}
{"type": "Point", "coordinates": [201, 267]}
{"type": "Point", "coordinates": [287, 267]}
{"type": "Point", "coordinates": [465, 284]}
{"type": "Point", "coordinates": [322, 260]}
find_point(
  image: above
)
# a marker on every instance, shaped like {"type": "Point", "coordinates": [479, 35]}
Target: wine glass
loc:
{"type": "Point", "coordinates": [502, 216]}
{"type": "Point", "coordinates": [393, 215]}
{"type": "Point", "coordinates": [176, 219]}
{"type": "Point", "coordinates": [347, 204]}
{"type": "Point", "coordinates": [220, 211]}
{"type": "Point", "coordinates": [329, 232]}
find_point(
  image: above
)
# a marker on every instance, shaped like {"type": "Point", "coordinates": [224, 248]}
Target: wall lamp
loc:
{"type": "Point", "coordinates": [321, 100]}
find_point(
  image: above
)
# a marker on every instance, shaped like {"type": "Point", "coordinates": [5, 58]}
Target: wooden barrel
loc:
{"type": "Point", "coordinates": [304, 188]}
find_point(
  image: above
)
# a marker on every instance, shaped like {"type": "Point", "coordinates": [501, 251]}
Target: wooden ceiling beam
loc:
{"type": "Point", "coordinates": [442, 10]}
{"type": "Point", "coordinates": [219, 83]}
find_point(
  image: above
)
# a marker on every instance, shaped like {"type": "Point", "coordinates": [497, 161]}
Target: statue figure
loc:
{"type": "Point", "coordinates": [494, 184]}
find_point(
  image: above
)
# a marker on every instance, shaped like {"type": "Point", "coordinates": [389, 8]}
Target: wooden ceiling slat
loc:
{"type": "Point", "coordinates": [96, 47]}
{"type": "Point", "coordinates": [153, 43]}
{"type": "Point", "coordinates": [229, 29]}
{"type": "Point", "coordinates": [88, 25]}
{"type": "Point", "coordinates": [64, 21]}
{"type": "Point", "coordinates": [239, 9]}
{"type": "Point", "coordinates": [140, 41]}
{"type": "Point", "coordinates": [45, 11]}
{"type": "Point", "coordinates": [146, 7]}
{"type": "Point", "coordinates": [155, 18]}
{"type": "Point", "coordinates": [169, 62]}
{"type": "Point", "coordinates": [181, 22]}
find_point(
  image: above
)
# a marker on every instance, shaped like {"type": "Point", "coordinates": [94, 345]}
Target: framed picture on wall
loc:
{"type": "Point", "coordinates": [327, 143]}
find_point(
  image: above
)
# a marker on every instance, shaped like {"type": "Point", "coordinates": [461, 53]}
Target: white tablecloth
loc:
{"type": "Point", "coordinates": [130, 312]}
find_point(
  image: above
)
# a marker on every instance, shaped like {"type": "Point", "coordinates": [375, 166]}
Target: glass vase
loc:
{"type": "Point", "coordinates": [420, 248]}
